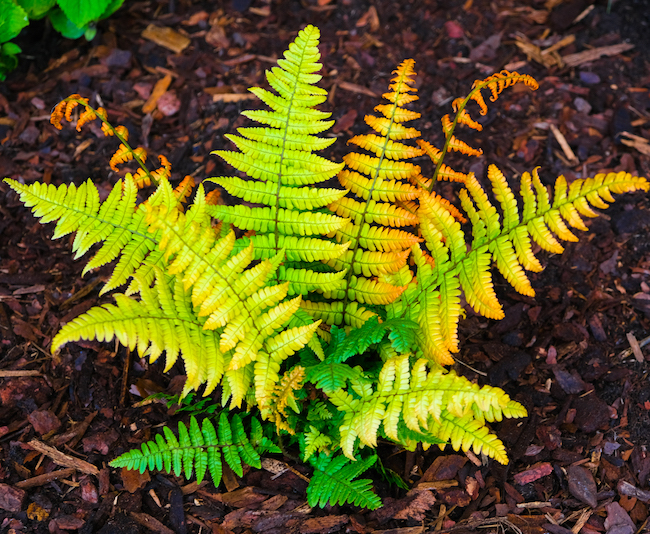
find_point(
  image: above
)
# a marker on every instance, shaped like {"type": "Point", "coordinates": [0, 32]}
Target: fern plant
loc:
{"type": "Point", "coordinates": [330, 313]}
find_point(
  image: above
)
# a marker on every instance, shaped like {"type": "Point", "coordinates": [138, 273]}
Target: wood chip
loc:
{"type": "Point", "coordinates": [359, 89]}
{"type": "Point", "coordinates": [166, 37]}
{"type": "Point", "coordinates": [158, 90]}
{"type": "Point", "coordinates": [17, 374]}
{"type": "Point", "coordinates": [404, 530]}
{"type": "Point", "coordinates": [232, 97]}
{"type": "Point", "coordinates": [636, 349]}
{"type": "Point", "coordinates": [151, 523]}
{"type": "Point", "coordinates": [563, 144]}
{"type": "Point", "coordinates": [63, 459]}
{"type": "Point", "coordinates": [637, 142]}
{"type": "Point", "coordinates": [46, 478]}
{"type": "Point", "coordinates": [573, 60]}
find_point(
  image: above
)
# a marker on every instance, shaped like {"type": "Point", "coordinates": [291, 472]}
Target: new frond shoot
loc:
{"type": "Point", "coordinates": [330, 313]}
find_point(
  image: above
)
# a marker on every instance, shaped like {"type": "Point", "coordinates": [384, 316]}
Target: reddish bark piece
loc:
{"type": "Point", "coordinates": [89, 492]}
{"type": "Point", "coordinates": [169, 104]}
{"type": "Point", "coordinates": [444, 468]}
{"type": "Point", "coordinates": [44, 421]}
{"type": "Point", "coordinates": [618, 521]}
{"type": "Point", "coordinates": [68, 522]}
{"type": "Point", "coordinates": [417, 508]}
{"type": "Point", "coordinates": [346, 122]}
{"type": "Point", "coordinates": [582, 485]}
{"type": "Point", "coordinates": [11, 499]}
{"type": "Point", "coordinates": [454, 30]}
{"type": "Point", "coordinates": [591, 413]}
{"type": "Point", "coordinates": [534, 473]}
{"type": "Point", "coordinates": [454, 497]}
{"type": "Point", "coordinates": [323, 525]}
{"type": "Point", "coordinates": [100, 442]}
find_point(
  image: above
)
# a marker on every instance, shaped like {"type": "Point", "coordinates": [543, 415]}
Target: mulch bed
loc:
{"type": "Point", "coordinates": [579, 463]}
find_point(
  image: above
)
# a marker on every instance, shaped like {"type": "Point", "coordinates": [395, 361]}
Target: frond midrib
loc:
{"type": "Point", "coordinates": [359, 227]}
{"type": "Point", "coordinates": [282, 153]}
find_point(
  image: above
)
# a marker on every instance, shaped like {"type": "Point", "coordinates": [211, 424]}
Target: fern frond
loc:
{"type": "Point", "coordinates": [503, 240]}
{"type": "Point", "coordinates": [162, 320]}
{"type": "Point", "coordinates": [116, 222]}
{"type": "Point", "coordinates": [496, 84]}
{"type": "Point", "coordinates": [333, 482]}
{"type": "Point", "coordinates": [279, 161]}
{"type": "Point", "coordinates": [378, 184]}
{"type": "Point", "coordinates": [315, 441]}
{"type": "Point", "coordinates": [236, 299]}
{"type": "Point", "coordinates": [200, 449]}
{"type": "Point", "coordinates": [416, 396]}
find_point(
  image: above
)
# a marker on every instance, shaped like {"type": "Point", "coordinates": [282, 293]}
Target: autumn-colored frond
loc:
{"type": "Point", "coordinates": [377, 202]}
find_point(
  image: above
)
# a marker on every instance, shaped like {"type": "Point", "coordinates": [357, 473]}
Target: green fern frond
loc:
{"type": "Point", "coordinates": [415, 395]}
{"type": "Point", "coordinates": [333, 482]}
{"type": "Point", "coordinates": [199, 449]}
{"type": "Point", "coordinates": [278, 160]}
{"type": "Point", "coordinates": [116, 222]}
{"type": "Point", "coordinates": [315, 441]}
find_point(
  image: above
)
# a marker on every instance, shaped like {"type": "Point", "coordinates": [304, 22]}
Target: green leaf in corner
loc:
{"type": "Point", "coordinates": [64, 25]}
{"type": "Point", "coordinates": [10, 49]}
{"type": "Point", "coordinates": [13, 18]}
{"type": "Point", "coordinates": [112, 7]}
{"type": "Point", "coordinates": [81, 12]}
{"type": "Point", "coordinates": [36, 9]}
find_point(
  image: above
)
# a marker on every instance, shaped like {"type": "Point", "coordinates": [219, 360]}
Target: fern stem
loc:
{"type": "Point", "coordinates": [120, 138]}
{"type": "Point", "coordinates": [449, 135]}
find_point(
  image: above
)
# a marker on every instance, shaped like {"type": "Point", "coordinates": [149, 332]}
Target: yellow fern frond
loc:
{"type": "Point", "coordinates": [439, 404]}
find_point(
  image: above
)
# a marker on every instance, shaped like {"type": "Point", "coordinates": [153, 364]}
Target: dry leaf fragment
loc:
{"type": "Point", "coordinates": [582, 485]}
{"type": "Point", "coordinates": [166, 37]}
{"type": "Point", "coordinates": [159, 89]}
{"type": "Point", "coordinates": [637, 142]}
{"type": "Point", "coordinates": [216, 37]}
{"type": "Point", "coordinates": [573, 60]}
{"type": "Point", "coordinates": [232, 97]}
{"type": "Point", "coordinates": [355, 88]}
{"type": "Point", "coordinates": [369, 17]}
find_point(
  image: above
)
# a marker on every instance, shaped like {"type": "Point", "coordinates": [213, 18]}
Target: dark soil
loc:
{"type": "Point", "coordinates": [564, 353]}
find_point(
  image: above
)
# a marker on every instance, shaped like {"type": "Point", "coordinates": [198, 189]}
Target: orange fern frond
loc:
{"type": "Point", "coordinates": [380, 199]}
{"type": "Point", "coordinates": [457, 145]}
{"type": "Point", "coordinates": [86, 116]}
{"type": "Point", "coordinates": [65, 108]}
{"type": "Point", "coordinates": [496, 84]}
{"type": "Point", "coordinates": [183, 190]}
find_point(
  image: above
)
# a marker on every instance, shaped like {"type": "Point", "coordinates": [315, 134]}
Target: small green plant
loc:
{"type": "Point", "coordinates": [330, 313]}
{"type": "Point", "coordinates": [71, 18]}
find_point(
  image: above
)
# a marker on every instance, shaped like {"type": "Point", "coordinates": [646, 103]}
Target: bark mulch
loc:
{"type": "Point", "coordinates": [573, 354]}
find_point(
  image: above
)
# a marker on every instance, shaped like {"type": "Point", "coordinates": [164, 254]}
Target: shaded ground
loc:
{"type": "Point", "coordinates": [579, 463]}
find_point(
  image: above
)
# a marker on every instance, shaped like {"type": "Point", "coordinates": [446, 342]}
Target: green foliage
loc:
{"type": "Point", "coordinates": [71, 18]}
{"type": "Point", "coordinates": [334, 482]}
{"type": "Point", "coordinates": [201, 448]}
{"type": "Point", "coordinates": [330, 313]}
